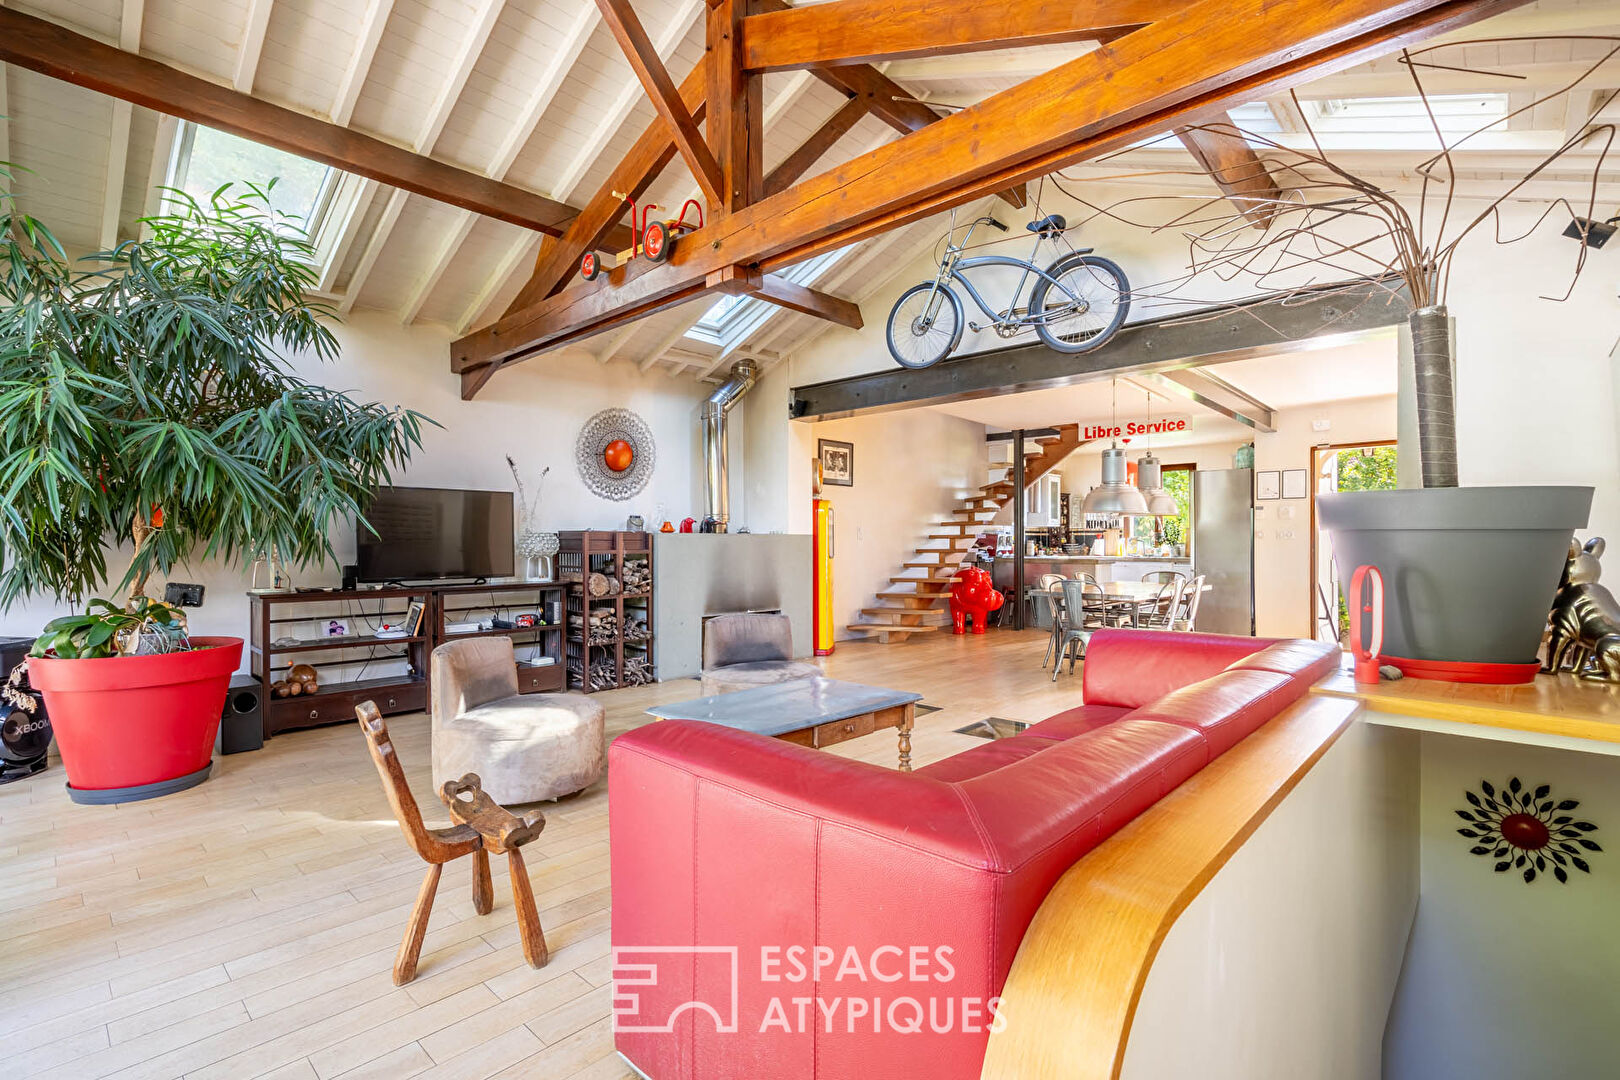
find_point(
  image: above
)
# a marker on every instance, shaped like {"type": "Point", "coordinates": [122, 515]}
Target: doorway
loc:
{"type": "Point", "coordinates": [1366, 466]}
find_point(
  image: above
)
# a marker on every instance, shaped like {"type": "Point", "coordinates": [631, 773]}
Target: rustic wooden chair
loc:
{"type": "Point", "coordinates": [482, 828]}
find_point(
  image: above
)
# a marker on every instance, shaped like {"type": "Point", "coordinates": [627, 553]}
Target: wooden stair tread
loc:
{"type": "Point", "coordinates": [942, 582]}
{"type": "Point", "coordinates": [918, 612]}
{"type": "Point", "coordinates": [886, 629]}
{"type": "Point", "coordinates": [895, 594]}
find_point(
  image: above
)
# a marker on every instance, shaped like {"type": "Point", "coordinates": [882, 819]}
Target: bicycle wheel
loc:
{"type": "Point", "coordinates": [1090, 304]}
{"type": "Point", "coordinates": [920, 337]}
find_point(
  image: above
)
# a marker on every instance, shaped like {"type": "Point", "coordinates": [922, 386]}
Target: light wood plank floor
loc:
{"type": "Point", "coordinates": [247, 928]}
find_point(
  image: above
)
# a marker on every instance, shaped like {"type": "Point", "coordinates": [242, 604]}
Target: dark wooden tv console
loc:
{"type": "Point", "coordinates": [277, 615]}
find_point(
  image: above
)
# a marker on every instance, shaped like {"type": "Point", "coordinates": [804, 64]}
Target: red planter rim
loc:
{"type": "Point", "coordinates": [129, 672]}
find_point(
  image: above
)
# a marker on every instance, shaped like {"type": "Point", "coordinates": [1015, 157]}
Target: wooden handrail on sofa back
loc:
{"type": "Point", "coordinates": [1073, 991]}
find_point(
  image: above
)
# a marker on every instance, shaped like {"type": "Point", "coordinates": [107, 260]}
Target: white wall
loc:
{"type": "Point", "coordinates": [533, 411]}
{"type": "Point", "coordinates": [1503, 979]}
{"type": "Point", "coordinates": [911, 468]}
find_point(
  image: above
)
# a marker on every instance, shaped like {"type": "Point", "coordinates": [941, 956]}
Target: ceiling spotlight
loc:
{"type": "Point", "coordinates": [1594, 234]}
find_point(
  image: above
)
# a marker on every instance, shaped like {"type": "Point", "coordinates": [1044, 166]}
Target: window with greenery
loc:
{"type": "Point", "coordinates": [1362, 468]}
{"type": "Point", "coordinates": [1369, 468]}
{"type": "Point", "coordinates": [1170, 530]}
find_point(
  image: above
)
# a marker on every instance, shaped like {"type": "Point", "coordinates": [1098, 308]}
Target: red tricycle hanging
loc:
{"type": "Point", "coordinates": [652, 239]}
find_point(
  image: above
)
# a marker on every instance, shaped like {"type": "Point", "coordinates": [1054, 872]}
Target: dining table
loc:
{"type": "Point", "coordinates": [1130, 596]}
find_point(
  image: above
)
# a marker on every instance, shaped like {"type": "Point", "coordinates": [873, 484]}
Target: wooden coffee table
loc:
{"type": "Point", "coordinates": [811, 712]}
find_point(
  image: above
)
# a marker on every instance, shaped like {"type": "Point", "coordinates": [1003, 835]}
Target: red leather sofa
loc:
{"type": "Point", "coordinates": [782, 912]}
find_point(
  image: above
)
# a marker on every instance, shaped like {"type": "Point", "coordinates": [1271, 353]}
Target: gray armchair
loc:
{"type": "Point", "coordinates": [750, 649]}
{"type": "Point", "coordinates": [524, 747]}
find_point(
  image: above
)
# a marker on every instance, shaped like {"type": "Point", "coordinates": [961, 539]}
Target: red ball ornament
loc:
{"type": "Point", "coordinates": [1525, 832]}
{"type": "Point", "coordinates": [618, 455]}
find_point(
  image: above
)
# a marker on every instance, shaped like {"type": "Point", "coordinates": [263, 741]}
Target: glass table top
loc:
{"type": "Point", "coordinates": [789, 706]}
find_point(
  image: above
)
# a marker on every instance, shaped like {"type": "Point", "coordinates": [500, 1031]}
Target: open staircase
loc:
{"type": "Point", "coordinates": [917, 603]}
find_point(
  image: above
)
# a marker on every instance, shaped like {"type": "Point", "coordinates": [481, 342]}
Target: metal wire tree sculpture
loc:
{"type": "Point", "coordinates": [1318, 222]}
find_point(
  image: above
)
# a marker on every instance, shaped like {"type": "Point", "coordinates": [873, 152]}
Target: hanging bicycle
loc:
{"type": "Point", "coordinates": [1075, 304]}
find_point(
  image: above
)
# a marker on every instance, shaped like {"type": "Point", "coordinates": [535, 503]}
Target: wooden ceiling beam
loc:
{"type": "Point", "coordinates": [865, 31]}
{"type": "Point", "coordinates": [1209, 55]}
{"type": "Point", "coordinates": [1234, 166]}
{"type": "Point", "coordinates": [666, 97]}
{"type": "Point", "coordinates": [778, 290]}
{"type": "Point", "coordinates": [43, 46]}
{"type": "Point", "coordinates": [885, 99]}
{"type": "Point", "coordinates": [736, 109]}
{"type": "Point", "coordinates": [809, 152]}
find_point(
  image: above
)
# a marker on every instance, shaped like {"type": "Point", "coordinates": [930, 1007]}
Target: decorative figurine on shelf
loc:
{"type": "Point", "coordinates": [667, 527]}
{"type": "Point", "coordinates": [972, 594]}
{"type": "Point", "coordinates": [687, 524]}
{"type": "Point", "coordinates": [535, 547]}
{"type": "Point", "coordinates": [1585, 618]}
{"type": "Point", "coordinates": [301, 679]}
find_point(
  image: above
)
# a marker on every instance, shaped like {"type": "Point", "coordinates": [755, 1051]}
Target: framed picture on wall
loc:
{"type": "Point", "coordinates": [837, 462]}
{"type": "Point", "coordinates": [1268, 484]}
{"type": "Point", "coordinates": [1293, 484]}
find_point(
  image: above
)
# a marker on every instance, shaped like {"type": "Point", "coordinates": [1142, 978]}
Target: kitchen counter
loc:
{"type": "Point", "coordinates": [1101, 567]}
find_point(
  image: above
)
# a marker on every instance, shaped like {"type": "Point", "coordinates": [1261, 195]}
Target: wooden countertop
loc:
{"type": "Point", "coordinates": [1558, 706]}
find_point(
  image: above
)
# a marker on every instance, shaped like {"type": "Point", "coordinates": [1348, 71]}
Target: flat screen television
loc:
{"type": "Point", "coordinates": [420, 534]}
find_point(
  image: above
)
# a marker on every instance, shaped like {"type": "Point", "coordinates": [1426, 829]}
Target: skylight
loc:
{"type": "Point", "coordinates": [732, 318]}
{"type": "Point", "coordinates": [1454, 114]}
{"type": "Point", "coordinates": [321, 200]}
{"type": "Point", "coordinates": [206, 160]}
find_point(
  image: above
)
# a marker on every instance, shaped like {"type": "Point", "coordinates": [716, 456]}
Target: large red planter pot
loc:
{"type": "Point", "coordinates": [136, 727]}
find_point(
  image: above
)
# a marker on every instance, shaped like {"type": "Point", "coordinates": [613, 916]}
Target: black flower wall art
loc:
{"type": "Point", "coordinates": [1529, 831]}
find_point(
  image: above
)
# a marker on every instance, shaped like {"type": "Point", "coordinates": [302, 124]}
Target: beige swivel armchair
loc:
{"type": "Point", "coordinates": [524, 747]}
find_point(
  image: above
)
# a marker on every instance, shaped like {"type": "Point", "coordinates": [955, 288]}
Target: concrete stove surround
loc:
{"type": "Point", "coordinates": [699, 575]}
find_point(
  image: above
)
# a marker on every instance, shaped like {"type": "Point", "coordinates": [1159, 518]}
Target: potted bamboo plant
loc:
{"type": "Point", "coordinates": [147, 415]}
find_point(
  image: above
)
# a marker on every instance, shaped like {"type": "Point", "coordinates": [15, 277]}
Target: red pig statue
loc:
{"type": "Point", "coordinates": [972, 593]}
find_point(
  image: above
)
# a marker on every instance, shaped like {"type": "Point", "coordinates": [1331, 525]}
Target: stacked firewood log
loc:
{"type": "Point", "coordinates": [635, 624]}
{"type": "Point", "coordinates": [637, 671]}
{"type": "Point", "coordinates": [603, 673]}
{"type": "Point", "coordinates": [601, 628]}
{"type": "Point", "coordinates": [637, 576]}
{"type": "Point", "coordinates": [602, 585]}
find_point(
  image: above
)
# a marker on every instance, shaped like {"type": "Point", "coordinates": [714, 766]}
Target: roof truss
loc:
{"type": "Point", "coordinates": [1187, 65]}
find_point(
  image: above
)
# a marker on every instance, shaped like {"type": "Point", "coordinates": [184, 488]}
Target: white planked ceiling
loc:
{"type": "Point", "coordinates": [536, 92]}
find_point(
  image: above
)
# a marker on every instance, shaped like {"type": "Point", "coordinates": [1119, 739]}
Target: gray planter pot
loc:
{"type": "Point", "coordinates": [1469, 573]}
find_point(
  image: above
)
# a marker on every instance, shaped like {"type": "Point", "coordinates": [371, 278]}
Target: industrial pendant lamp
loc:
{"type": "Point", "coordinates": [1150, 479]}
{"type": "Point", "coordinates": [1114, 495]}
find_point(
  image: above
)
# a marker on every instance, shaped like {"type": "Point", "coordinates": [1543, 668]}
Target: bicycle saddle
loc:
{"type": "Point", "coordinates": [1049, 226]}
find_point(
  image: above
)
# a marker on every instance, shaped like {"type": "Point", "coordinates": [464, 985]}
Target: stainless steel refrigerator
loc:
{"type": "Point", "coordinates": [1223, 549]}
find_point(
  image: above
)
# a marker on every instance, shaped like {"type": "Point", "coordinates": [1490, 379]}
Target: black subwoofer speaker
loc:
{"type": "Point", "coordinates": [25, 732]}
{"type": "Point", "coordinates": [242, 726]}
